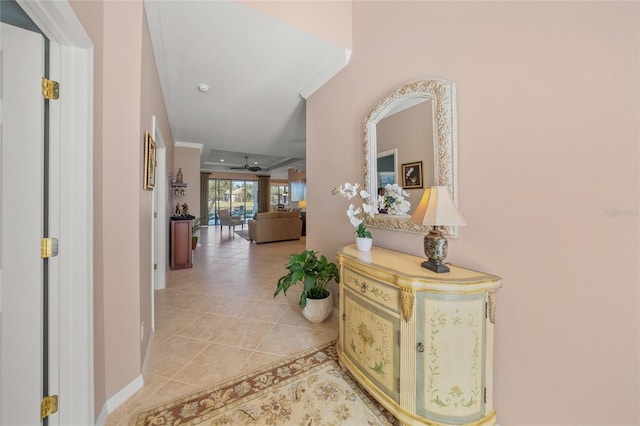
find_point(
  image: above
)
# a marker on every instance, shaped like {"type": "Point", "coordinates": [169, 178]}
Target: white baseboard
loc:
{"type": "Point", "coordinates": [102, 418]}
{"type": "Point", "coordinates": [125, 393]}
{"type": "Point", "coordinates": [147, 353]}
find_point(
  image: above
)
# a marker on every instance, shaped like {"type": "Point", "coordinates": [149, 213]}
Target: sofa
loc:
{"type": "Point", "coordinates": [275, 226]}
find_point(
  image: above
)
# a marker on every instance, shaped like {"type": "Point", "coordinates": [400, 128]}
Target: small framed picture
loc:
{"type": "Point", "coordinates": [149, 162]}
{"type": "Point", "coordinates": [412, 175]}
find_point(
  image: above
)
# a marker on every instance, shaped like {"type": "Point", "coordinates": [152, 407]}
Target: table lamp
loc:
{"type": "Point", "coordinates": [436, 209]}
{"type": "Point", "coordinates": [302, 204]}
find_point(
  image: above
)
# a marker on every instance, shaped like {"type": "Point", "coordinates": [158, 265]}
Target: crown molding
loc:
{"type": "Point", "coordinates": [189, 145]}
{"type": "Point", "coordinates": [329, 71]}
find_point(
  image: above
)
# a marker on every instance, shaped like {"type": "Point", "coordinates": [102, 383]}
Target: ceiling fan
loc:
{"type": "Point", "coordinates": [247, 166]}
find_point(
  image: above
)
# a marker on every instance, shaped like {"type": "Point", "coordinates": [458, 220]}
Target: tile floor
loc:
{"type": "Point", "coordinates": [220, 319]}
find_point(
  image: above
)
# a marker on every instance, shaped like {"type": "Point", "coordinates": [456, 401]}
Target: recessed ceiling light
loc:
{"type": "Point", "coordinates": [222, 160]}
{"type": "Point", "coordinates": [203, 87]}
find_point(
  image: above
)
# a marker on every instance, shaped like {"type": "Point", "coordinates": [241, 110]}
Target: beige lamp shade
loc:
{"type": "Point", "coordinates": [302, 204]}
{"type": "Point", "coordinates": [436, 208]}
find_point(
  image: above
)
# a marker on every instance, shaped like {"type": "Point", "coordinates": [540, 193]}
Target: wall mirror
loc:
{"type": "Point", "coordinates": [424, 132]}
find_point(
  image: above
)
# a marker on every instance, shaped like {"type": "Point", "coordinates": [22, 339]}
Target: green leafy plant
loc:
{"type": "Point", "coordinates": [311, 272]}
{"type": "Point", "coordinates": [197, 224]}
{"type": "Point", "coordinates": [362, 231]}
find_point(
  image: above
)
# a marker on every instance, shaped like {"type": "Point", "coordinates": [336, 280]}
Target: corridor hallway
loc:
{"type": "Point", "coordinates": [220, 319]}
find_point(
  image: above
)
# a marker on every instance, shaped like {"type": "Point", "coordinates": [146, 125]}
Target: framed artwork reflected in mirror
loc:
{"type": "Point", "coordinates": [412, 175]}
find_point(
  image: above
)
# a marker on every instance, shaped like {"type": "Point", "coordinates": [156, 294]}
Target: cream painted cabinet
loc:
{"type": "Point", "coordinates": [421, 343]}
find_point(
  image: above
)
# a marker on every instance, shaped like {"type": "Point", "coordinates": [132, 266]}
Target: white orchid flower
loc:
{"type": "Point", "coordinates": [369, 209]}
{"type": "Point", "coordinates": [349, 191]}
{"type": "Point", "coordinates": [353, 211]}
{"type": "Point", "coordinates": [355, 214]}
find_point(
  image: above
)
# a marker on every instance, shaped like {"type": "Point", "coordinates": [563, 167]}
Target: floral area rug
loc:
{"type": "Point", "coordinates": [307, 389]}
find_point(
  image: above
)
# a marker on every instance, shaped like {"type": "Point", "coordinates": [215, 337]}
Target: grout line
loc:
{"type": "Point", "coordinates": [260, 343]}
{"type": "Point", "coordinates": [190, 360]}
{"type": "Point", "coordinates": [209, 275]}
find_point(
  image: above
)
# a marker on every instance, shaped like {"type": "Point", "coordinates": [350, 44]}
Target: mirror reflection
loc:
{"type": "Point", "coordinates": [386, 166]}
{"type": "Point", "coordinates": [408, 134]}
{"type": "Point", "coordinates": [410, 139]}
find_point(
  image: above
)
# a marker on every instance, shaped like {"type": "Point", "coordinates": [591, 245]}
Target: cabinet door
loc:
{"type": "Point", "coordinates": [451, 369]}
{"type": "Point", "coordinates": [370, 340]}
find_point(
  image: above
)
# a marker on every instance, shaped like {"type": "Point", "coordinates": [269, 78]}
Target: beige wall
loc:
{"type": "Point", "coordinates": [548, 107]}
{"type": "Point", "coordinates": [188, 159]}
{"type": "Point", "coordinates": [126, 95]}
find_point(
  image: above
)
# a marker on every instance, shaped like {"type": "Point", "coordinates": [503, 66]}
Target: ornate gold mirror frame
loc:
{"type": "Point", "coordinates": [442, 95]}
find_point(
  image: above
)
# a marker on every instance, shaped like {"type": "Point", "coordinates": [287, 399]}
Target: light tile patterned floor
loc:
{"type": "Point", "coordinates": [220, 319]}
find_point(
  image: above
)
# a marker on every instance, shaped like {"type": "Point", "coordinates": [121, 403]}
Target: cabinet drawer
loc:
{"type": "Point", "coordinates": [372, 290]}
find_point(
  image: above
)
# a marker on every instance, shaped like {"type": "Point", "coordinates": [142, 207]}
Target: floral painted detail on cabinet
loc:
{"type": "Point", "coordinates": [369, 342]}
{"type": "Point", "coordinates": [454, 384]}
{"type": "Point", "coordinates": [372, 289]}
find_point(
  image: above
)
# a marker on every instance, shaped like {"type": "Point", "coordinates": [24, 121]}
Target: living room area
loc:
{"type": "Point", "coordinates": [242, 196]}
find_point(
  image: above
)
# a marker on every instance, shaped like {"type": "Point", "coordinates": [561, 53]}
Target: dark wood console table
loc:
{"type": "Point", "coordinates": [180, 244]}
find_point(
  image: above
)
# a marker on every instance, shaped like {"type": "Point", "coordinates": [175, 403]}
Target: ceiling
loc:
{"type": "Point", "coordinates": [258, 72]}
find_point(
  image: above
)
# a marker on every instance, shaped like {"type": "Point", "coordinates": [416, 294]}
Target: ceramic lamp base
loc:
{"type": "Point", "coordinates": [435, 267]}
{"type": "Point", "coordinates": [435, 248]}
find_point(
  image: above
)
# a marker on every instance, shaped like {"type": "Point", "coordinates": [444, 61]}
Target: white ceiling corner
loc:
{"type": "Point", "coordinates": [260, 72]}
{"type": "Point", "coordinates": [327, 73]}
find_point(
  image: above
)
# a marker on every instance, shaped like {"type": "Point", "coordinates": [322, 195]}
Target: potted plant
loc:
{"type": "Point", "coordinates": [357, 215]}
{"type": "Point", "coordinates": [313, 274]}
{"type": "Point", "coordinates": [197, 224]}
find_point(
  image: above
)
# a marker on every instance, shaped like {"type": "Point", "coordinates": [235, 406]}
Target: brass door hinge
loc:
{"type": "Point", "coordinates": [50, 89]}
{"type": "Point", "coordinates": [48, 248]}
{"type": "Point", "coordinates": [48, 406]}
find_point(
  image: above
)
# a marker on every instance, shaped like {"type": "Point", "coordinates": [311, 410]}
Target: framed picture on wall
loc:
{"type": "Point", "coordinates": [149, 162]}
{"type": "Point", "coordinates": [386, 178]}
{"type": "Point", "coordinates": [412, 175]}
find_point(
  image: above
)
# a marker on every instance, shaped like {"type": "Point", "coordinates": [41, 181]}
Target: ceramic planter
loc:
{"type": "Point", "coordinates": [318, 310]}
{"type": "Point", "coordinates": [364, 244]}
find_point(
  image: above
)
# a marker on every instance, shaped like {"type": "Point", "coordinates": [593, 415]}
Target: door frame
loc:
{"type": "Point", "coordinates": [160, 195]}
{"type": "Point", "coordinates": [71, 204]}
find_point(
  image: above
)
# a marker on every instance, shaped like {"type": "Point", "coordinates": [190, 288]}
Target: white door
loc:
{"type": "Point", "coordinates": [21, 217]}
